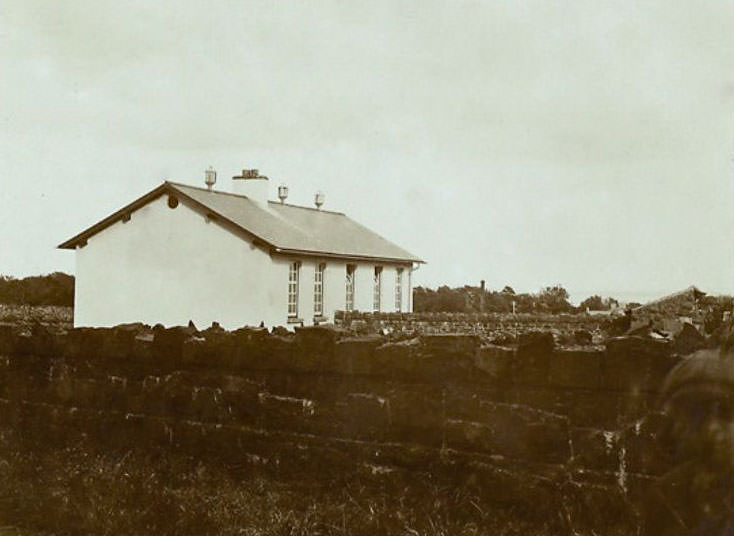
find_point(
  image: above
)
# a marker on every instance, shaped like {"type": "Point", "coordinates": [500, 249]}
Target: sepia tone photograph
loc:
{"type": "Point", "coordinates": [366, 268]}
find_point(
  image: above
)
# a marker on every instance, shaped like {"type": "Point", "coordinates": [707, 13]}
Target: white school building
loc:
{"type": "Point", "coordinates": [181, 253]}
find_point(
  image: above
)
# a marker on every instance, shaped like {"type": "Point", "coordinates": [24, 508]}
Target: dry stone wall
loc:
{"type": "Point", "coordinates": [570, 429]}
{"type": "Point", "coordinates": [567, 329]}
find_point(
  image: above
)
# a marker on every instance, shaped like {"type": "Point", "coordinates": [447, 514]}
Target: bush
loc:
{"type": "Point", "coordinates": [53, 289]}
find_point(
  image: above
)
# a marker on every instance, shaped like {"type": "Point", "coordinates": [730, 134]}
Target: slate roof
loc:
{"type": "Point", "coordinates": [285, 228]}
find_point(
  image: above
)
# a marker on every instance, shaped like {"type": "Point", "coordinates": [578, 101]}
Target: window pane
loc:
{"type": "Point", "coordinates": [350, 288]}
{"type": "Point", "coordinates": [293, 273]}
{"type": "Point", "coordinates": [378, 288]}
{"type": "Point", "coordinates": [399, 290]}
{"type": "Point", "coordinates": [318, 290]}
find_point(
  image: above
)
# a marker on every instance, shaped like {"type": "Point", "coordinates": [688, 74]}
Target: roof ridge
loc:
{"type": "Point", "coordinates": [207, 190]}
{"type": "Point", "coordinates": [277, 203]}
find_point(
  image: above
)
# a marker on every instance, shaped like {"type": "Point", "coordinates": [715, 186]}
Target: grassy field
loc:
{"type": "Point", "coordinates": [80, 490]}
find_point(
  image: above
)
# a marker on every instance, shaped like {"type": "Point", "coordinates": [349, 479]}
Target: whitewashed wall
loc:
{"type": "Point", "coordinates": [170, 266]}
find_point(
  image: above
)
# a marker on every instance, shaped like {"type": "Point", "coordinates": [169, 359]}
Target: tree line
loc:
{"type": "Point", "coordinates": [468, 299]}
{"type": "Point", "coordinates": [52, 289]}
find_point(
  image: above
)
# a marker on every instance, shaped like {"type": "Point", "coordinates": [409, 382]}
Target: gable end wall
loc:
{"type": "Point", "coordinates": [170, 266]}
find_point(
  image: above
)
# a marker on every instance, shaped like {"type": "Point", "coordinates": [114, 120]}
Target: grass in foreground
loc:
{"type": "Point", "coordinates": [78, 490]}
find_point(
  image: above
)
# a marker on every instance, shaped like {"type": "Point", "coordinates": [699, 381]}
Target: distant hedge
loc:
{"type": "Point", "coordinates": [52, 289]}
{"type": "Point", "coordinates": [467, 299]}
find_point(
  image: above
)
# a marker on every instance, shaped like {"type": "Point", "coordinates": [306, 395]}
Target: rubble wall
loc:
{"type": "Point", "coordinates": [527, 425]}
{"type": "Point", "coordinates": [486, 325]}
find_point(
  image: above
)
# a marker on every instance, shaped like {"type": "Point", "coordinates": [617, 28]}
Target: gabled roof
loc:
{"type": "Point", "coordinates": [287, 229]}
{"type": "Point", "coordinates": [690, 294]}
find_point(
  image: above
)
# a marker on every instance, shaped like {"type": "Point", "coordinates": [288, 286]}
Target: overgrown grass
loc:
{"type": "Point", "coordinates": [81, 490]}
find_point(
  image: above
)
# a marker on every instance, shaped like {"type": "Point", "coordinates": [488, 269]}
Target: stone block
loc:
{"type": "Point", "coordinates": [637, 363]}
{"type": "Point", "coordinates": [207, 405]}
{"type": "Point", "coordinates": [269, 353]}
{"type": "Point", "coordinates": [218, 352]}
{"type": "Point", "coordinates": [644, 451]}
{"type": "Point", "coordinates": [84, 344]}
{"type": "Point", "coordinates": [635, 405]}
{"type": "Point", "coordinates": [450, 344]}
{"type": "Point", "coordinates": [576, 368]}
{"type": "Point", "coordinates": [168, 344]}
{"type": "Point", "coordinates": [496, 362]}
{"type": "Point", "coordinates": [41, 343]}
{"type": "Point", "coordinates": [447, 369]}
{"type": "Point", "coordinates": [157, 432]}
{"type": "Point", "coordinates": [15, 387]}
{"type": "Point", "coordinates": [534, 352]}
{"type": "Point", "coordinates": [238, 384]}
{"type": "Point", "coordinates": [364, 416]}
{"type": "Point", "coordinates": [547, 399]}
{"type": "Point", "coordinates": [322, 387]}
{"type": "Point", "coordinates": [398, 359]}
{"type": "Point", "coordinates": [112, 394]}
{"type": "Point", "coordinates": [278, 412]}
{"type": "Point", "coordinates": [595, 450]}
{"type": "Point", "coordinates": [356, 355]}
{"type": "Point", "coordinates": [515, 432]}
{"type": "Point", "coordinates": [142, 350]}
{"type": "Point", "coordinates": [174, 396]}
{"type": "Point", "coordinates": [405, 455]}
{"type": "Point", "coordinates": [417, 415]}
{"type": "Point", "coordinates": [318, 338]}
{"type": "Point", "coordinates": [7, 339]}
{"type": "Point", "coordinates": [82, 392]}
{"type": "Point", "coordinates": [593, 409]}
{"type": "Point", "coordinates": [118, 342]}
{"type": "Point", "coordinates": [420, 407]}
{"type": "Point", "coordinates": [193, 353]}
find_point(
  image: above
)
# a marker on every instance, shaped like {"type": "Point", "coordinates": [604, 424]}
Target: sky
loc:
{"type": "Point", "coordinates": [528, 143]}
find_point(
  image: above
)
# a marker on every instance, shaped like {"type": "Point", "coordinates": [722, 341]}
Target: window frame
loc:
{"type": "Point", "coordinates": [377, 290]}
{"type": "Point", "coordinates": [350, 276]}
{"type": "Point", "coordinates": [399, 290]}
{"type": "Point", "coordinates": [294, 278]}
{"type": "Point", "coordinates": [318, 289]}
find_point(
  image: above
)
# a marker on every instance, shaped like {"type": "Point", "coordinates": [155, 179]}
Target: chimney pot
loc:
{"type": "Point", "coordinates": [210, 177]}
{"type": "Point", "coordinates": [319, 199]}
{"type": "Point", "coordinates": [252, 185]}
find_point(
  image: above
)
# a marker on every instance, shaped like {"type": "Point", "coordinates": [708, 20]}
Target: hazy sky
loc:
{"type": "Point", "coordinates": [526, 143]}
